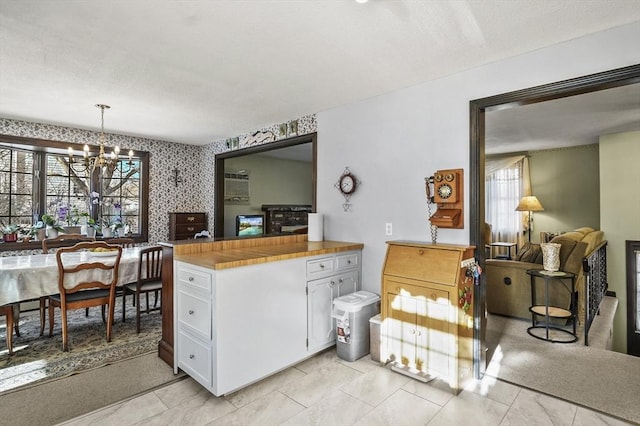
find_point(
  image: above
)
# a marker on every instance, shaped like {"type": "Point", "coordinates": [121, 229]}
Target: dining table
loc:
{"type": "Point", "coordinates": [29, 277]}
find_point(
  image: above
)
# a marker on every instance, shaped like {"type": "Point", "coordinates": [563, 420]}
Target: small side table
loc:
{"type": "Point", "coordinates": [508, 246]}
{"type": "Point", "coordinates": [536, 309]}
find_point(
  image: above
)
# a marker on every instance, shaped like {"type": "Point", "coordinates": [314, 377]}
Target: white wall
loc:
{"type": "Point", "coordinates": [619, 215]}
{"type": "Point", "coordinates": [567, 183]}
{"type": "Point", "coordinates": [391, 142]}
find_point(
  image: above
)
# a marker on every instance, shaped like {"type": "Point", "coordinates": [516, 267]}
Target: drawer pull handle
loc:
{"type": "Point", "coordinates": [191, 218]}
{"type": "Point", "coordinates": [190, 279]}
{"type": "Point", "coordinates": [333, 283]}
{"type": "Point", "coordinates": [191, 228]}
{"type": "Point", "coordinates": [420, 252]}
{"type": "Point", "coordinates": [322, 266]}
{"type": "Point", "coordinates": [190, 311]}
{"type": "Point", "coordinates": [433, 296]}
{"type": "Point", "coordinates": [349, 262]}
{"type": "Point", "coordinates": [191, 356]}
{"type": "Point", "coordinates": [340, 280]}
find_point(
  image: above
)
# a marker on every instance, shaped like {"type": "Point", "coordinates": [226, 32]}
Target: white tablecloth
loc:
{"type": "Point", "coordinates": [30, 277]}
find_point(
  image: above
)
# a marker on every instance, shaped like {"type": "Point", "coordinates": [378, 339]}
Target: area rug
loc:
{"type": "Point", "coordinates": [38, 359]}
{"type": "Point", "coordinates": [599, 379]}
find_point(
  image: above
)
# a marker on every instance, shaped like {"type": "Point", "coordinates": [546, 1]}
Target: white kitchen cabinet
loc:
{"type": "Point", "coordinates": [320, 295]}
{"type": "Point", "coordinates": [235, 326]}
{"type": "Point", "coordinates": [342, 277]}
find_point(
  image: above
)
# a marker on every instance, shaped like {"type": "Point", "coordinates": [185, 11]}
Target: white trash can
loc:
{"type": "Point", "coordinates": [374, 331]}
{"type": "Point", "coordinates": [352, 313]}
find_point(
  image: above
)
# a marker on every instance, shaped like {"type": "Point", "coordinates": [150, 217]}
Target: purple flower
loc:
{"type": "Point", "coordinates": [63, 211]}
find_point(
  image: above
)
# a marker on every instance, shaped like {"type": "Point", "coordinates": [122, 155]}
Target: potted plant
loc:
{"type": "Point", "coordinates": [52, 225]}
{"type": "Point", "coordinates": [10, 233]}
{"type": "Point", "coordinates": [92, 227]}
{"type": "Point", "coordinates": [72, 216]}
{"type": "Point", "coordinates": [111, 226]}
{"type": "Point", "coordinates": [38, 231]}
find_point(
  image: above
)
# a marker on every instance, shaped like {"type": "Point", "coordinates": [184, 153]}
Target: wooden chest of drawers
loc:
{"type": "Point", "coordinates": [183, 226]}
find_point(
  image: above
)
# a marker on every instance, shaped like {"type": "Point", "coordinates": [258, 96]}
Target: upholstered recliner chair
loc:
{"type": "Point", "coordinates": [509, 286]}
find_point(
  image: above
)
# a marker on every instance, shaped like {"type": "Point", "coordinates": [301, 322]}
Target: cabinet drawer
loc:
{"type": "Point", "coordinates": [346, 261]}
{"type": "Point", "coordinates": [195, 278]}
{"type": "Point", "coordinates": [423, 264]}
{"type": "Point", "coordinates": [189, 218]}
{"type": "Point", "coordinates": [190, 229]}
{"type": "Point", "coordinates": [319, 266]}
{"type": "Point", "coordinates": [194, 313]}
{"type": "Point", "coordinates": [195, 358]}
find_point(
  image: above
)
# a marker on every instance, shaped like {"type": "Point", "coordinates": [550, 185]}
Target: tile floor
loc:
{"type": "Point", "coordinates": [326, 390]}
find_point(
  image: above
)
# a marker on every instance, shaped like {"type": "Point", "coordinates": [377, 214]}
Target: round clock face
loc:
{"type": "Point", "coordinates": [347, 184]}
{"type": "Point", "coordinates": [444, 191]}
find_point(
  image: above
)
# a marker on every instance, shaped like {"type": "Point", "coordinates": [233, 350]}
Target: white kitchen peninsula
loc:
{"type": "Point", "coordinates": [244, 313]}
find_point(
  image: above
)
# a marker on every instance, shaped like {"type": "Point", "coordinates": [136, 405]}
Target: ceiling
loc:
{"type": "Point", "coordinates": [561, 123]}
{"type": "Point", "coordinates": [197, 71]}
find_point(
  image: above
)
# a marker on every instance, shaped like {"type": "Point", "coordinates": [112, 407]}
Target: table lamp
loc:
{"type": "Point", "coordinates": [529, 204]}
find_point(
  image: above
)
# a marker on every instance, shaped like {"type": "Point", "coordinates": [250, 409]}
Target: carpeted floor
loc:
{"type": "Point", "coordinates": [38, 359]}
{"type": "Point", "coordinates": [603, 380]}
{"type": "Point", "coordinates": [58, 400]}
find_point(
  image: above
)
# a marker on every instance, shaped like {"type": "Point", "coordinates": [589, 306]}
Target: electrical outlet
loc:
{"type": "Point", "coordinates": [388, 229]}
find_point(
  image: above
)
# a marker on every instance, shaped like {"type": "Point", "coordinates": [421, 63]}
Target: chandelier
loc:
{"type": "Point", "coordinates": [102, 160]}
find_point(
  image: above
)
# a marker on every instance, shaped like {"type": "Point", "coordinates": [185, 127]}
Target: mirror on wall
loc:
{"type": "Point", "coordinates": [255, 184]}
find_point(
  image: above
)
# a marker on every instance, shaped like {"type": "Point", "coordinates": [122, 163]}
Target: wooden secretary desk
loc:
{"type": "Point", "coordinates": [424, 331]}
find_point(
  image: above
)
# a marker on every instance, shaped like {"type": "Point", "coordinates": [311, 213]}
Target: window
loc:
{"type": "Point", "coordinates": [37, 178]}
{"type": "Point", "coordinates": [65, 190]}
{"type": "Point", "coordinates": [117, 191]}
{"type": "Point", "coordinates": [16, 186]}
{"type": "Point", "coordinates": [121, 194]}
{"type": "Point", "coordinates": [503, 192]}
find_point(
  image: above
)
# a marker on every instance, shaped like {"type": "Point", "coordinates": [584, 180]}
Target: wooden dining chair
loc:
{"type": "Point", "coordinates": [7, 310]}
{"type": "Point", "coordinates": [122, 242]}
{"type": "Point", "coordinates": [80, 286]}
{"type": "Point", "coordinates": [62, 240]}
{"type": "Point", "coordinates": [149, 280]}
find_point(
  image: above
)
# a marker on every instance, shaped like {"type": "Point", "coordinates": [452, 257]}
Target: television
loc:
{"type": "Point", "coordinates": [249, 225]}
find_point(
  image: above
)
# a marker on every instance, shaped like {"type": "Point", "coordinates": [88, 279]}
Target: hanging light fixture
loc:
{"type": "Point", "coordinates": [101, 160]}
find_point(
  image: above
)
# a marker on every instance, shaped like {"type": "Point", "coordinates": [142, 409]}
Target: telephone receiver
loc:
{"type": "Point", "coordinates": [428, 184]}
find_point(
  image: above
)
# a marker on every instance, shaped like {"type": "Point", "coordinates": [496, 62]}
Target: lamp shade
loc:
{"type": "Point", "coordinates": [529, 204]}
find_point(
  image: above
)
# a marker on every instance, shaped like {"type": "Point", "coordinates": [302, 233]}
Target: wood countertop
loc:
{"type": "Point", "coordinates": [218, 257]}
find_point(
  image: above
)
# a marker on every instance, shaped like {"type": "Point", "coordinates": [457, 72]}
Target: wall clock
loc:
{"type": "Point", "coordinates": [347, 184]}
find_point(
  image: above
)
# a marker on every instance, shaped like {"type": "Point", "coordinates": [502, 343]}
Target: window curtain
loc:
{"type": "Point", "coordinates": [507, 181]}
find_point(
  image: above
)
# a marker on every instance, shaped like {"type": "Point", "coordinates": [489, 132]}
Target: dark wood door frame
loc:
{"type": "Point", "coordinates": [477, 109]}
{"type": "Point", "coordinates": [633, 284]}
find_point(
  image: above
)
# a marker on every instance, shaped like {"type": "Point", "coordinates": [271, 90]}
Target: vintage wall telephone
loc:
{"type": "Point", "coordinates": [445, 190]}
